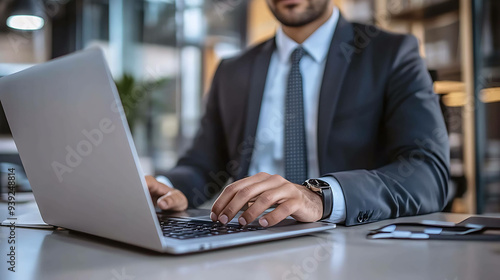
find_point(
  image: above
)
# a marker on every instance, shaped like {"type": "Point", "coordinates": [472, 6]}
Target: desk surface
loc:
{"type": "Point", "coordinates": [342, 253]}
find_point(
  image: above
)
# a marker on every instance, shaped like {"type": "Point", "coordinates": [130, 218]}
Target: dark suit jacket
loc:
{"type": "Point", "coordinates": [380, 129]}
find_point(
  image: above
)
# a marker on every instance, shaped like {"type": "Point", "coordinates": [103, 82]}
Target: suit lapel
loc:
{"type": "Point", "coordinates": [337, 63]}
{"type": "Point", "coordinates": [256, 91]}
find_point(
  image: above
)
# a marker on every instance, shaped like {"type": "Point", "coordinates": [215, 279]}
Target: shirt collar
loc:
{"type": "Point", "coordinates": [317, 45]}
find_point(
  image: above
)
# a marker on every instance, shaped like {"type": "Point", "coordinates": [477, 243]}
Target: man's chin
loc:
{"type": "Point", "coordinates": [293, 21]}
{"type": "Point", "coordinates": [294, 16]}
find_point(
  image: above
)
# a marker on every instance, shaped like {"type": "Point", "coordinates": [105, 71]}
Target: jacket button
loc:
{"type": "Point", "coordinates": [365, 217]}
{"type": "Point", "coordinates": [360, 217]}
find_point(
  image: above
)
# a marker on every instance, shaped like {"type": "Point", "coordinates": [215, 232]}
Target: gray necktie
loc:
{"type": "Point", "coordinates": [295, 133]}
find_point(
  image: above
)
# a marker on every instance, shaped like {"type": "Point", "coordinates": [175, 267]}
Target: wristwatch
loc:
{"type": "Point", "coordinates": [322, 189]}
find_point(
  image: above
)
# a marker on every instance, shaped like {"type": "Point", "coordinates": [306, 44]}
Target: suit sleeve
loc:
{"type": "Point", "coordinates": [195, 172]}
{"type": "Point", "coordinates": [415, 181]}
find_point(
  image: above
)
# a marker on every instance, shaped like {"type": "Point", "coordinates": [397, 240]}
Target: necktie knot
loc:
{"type": "Point", "coordinates": [297, 55]}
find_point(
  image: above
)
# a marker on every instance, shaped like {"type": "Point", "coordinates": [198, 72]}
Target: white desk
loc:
{"type": "Point", "coordinates": [343, 253]}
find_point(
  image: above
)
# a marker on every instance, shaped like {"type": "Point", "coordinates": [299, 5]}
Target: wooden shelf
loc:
{"type": "Point", "coordinates": [490, 95]}
{"type": "Point", "coordinates": [428, 11]}
{"type": "Point", "coordinates": [444, 87]}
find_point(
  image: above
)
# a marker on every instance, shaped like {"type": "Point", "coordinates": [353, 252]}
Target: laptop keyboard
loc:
{"type": "Point", "coordinates": [181, 229]}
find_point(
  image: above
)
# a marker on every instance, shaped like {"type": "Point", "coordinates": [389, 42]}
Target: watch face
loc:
{"type": "Point", "coordinates": [316, 185]}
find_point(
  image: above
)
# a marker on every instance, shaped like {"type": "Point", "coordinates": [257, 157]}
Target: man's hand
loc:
{"type": "Point", "coordinates": [165, 197]}
{"type": "Point", "coordinates": [265, 190]}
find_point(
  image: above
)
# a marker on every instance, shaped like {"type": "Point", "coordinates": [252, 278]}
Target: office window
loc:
{"type": "Point", "coordinates": [172, 47]}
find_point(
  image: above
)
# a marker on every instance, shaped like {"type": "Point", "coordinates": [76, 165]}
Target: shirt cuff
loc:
{"type": "Point", "coordinates": [164, 180]}
{"type": "Point", "coordinates": [339, 212]}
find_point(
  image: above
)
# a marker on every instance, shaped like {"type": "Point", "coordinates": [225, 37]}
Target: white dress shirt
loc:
{"type": "Point", "coordinates": [269, 143]}
{"type": "Point", "coordinates": [268, 151]}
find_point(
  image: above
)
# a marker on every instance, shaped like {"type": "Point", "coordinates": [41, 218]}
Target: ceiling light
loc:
{"type": "Point", "coordinates": [26, 15]}
{"type": "Point", "coordinates": [25, 22]}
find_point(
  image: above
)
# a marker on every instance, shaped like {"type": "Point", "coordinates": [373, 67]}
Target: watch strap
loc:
{"type": "Point", "coordinates": [327, 202]}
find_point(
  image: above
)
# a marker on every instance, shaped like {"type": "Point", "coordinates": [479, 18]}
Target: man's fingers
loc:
{"type": "Point", "coordinates": [280, 213]}
{"type": "Point", "coordinates": [173, 200]}
{"type": "Point", "coordinates": [156, 189]}
{"type": "Point", "coordinates": [246, 194]}
{"type": "Point", "coordinates": [159, 192]}
{"type": "Point", "coordinates": [166, 197]}
{"type": "Point", "coordinates": [229, 192]}
{"type": "Point", "coordinates": [267, 199]}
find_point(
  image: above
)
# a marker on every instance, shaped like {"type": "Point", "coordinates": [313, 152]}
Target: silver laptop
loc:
{"type": "Point", "coordinates": [70, 129]}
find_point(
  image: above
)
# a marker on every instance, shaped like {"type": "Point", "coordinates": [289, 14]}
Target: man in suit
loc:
{"type": "Point", "coordinates": [347, 104]}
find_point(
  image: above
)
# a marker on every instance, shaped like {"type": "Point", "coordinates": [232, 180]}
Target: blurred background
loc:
{"type": "Point", "coordinates": [163, 53]}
